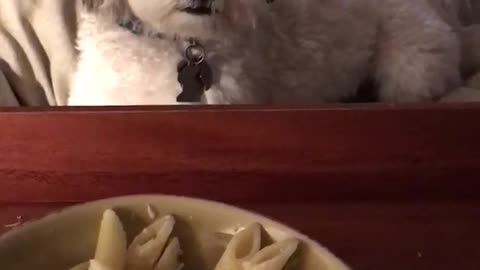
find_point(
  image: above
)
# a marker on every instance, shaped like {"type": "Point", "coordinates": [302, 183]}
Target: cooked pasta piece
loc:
{"type": "Point", "coordinates": [170, 259]}
{"type": "Point", "coordinates": [147, 247]}
{"type": "Point", "coordinates": [111, 244]}
{"type": "Point", "coordinates": [273, 257]}
{"type": "Point", "coordinates": [243, 246]}
{"type": "Point", "coordinates": [94, 265]}
{"type": "Point", "coordinates": [82, 266]}
{"type": "Point", "coordinates": [155, 249]}
{"type": "Point", "coordinates": [152, 215]}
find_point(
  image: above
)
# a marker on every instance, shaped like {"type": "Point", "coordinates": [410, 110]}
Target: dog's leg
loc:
{"type": "Point", "coordinates": [418, 55]}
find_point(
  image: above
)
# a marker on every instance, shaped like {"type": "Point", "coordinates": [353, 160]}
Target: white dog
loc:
{"type": "Point", "coordinates": [285, 52]}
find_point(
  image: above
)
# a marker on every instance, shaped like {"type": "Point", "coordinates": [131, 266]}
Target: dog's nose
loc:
{"type": "Point", "coordinates": [202, 3]}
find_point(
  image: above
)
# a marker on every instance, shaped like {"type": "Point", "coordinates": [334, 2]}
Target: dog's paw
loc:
{"type": "Point", "coordinates": [474, 81]}
{"type": "Point", "coordinates": [418, 84]}
{"type": "Point", "coordinates": [463, 94]}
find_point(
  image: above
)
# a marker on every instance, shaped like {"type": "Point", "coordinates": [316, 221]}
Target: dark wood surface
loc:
{"type": "Point", "coordinates": [383, 187]}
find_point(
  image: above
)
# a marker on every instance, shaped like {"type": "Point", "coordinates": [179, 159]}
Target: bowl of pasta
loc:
{"type": "Point", "coordinates": [160, 233]}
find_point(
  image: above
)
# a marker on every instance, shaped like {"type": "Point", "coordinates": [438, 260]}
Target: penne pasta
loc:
{"type": "Point", "coordinates": [147, 247]}
{"type": "Point", "coordinates": [170, 259]}
{"type": "Point", "coordinates": [82, 266]}
{"type": "Point", "coordinates": [155, 249]}
{"type": "Point", "coordinates": [243, 246]}
{"type": "Point", "coordinates": [273, 257]}
{"type": "Point", "coordinates": [94, 265]}
{"type": "Point", "coordinates": [151, 212]}
{"type": "Point", "coordinates": [111, 247]}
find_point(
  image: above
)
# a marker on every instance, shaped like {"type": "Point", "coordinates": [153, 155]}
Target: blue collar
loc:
{"type": "Point", "coordinates": [134, 26]}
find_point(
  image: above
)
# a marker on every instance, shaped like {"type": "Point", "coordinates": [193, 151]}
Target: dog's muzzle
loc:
{"type": "Point", "coordinates": [199, 7]}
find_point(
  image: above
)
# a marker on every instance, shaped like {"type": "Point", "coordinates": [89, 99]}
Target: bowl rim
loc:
{"type": "Point", "coordinates": [324, 252]}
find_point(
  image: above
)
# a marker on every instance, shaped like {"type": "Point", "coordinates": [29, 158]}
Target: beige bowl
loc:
{"type": "Point", "coordinates": [67, 238]}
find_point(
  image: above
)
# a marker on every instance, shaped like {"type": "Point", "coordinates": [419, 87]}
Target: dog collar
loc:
{"type": "Point", "coordinates": [193, 72]}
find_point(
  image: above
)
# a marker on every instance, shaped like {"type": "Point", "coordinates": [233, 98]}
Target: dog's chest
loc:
{"type": "Point", "coordinates": [117, 67]}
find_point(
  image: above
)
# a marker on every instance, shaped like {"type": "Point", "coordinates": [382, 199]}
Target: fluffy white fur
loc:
{"type": "Point", "coordinates": [288, 52]}
{"type": "Point", "coordinates": [464, 16]}
{"type": "Point", "coordinates": [117, 68]}
{"type": "Point", "coordinates": [471, 48]}
{"type": "Point", "coordinates": [470, 92]}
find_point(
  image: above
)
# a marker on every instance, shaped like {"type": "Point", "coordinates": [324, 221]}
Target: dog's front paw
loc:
{"type": "Point", "coordinates": [474, 81]}
{"type": "Point", "coordinates": [463, 94]}
{"type": "Point", "coordinates": [421, 83]}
